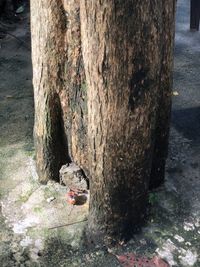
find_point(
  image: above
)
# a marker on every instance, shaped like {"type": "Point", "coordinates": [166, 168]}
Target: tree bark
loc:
{"type": "Point", "coordinates": [123, 46]}
{"type": "Point", "coordinates": [165, 92]}
{"type": "Point", "coordinates": [60, 126]}
{"type": "Point", "coordinates": [48, 27]}
{"type": "Point", "coordinates": [74, 92]}
{"type": "Point", "coordinates": [102, 86]}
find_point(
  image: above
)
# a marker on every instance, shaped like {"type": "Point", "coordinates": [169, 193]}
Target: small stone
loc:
{"type": "Point", "coordinates": [175, 93]}
{"type": "Point", "coordinates": [28, 263]}
{"type": "Point", "coordinates": [188, 226]}
{"type": "Point", "coordinates": [26, 241]}
{"type": "Point", "coordinates": [143, 242]}
{"type": "Point", "coordinates": [15, 250]}
{"type": "Point", "coordinates": [50, 199]}
{"type": "Point", "coordinates": [73, 177]}
{"type": "Point", "coordinates": [34, 254]}
{"type": "Point", "coordinates": [87, 257]}
{"type": "Point", "coordinates": [189, 258]}
{"type": "Point", "coordinates": [17, 257]}
{"type": "Point", "coordinates": [188, 243]}
{"type": "Point", "coordinates": [167, 252]}
{"type": "Point", "coordinates": [179, 238]}
{"type": "Point", "coordinates": [9, 96]}
{"type": "Point", "coordinates": [110, 250]}
{"type": "Point", "coordinates": [39, 244]}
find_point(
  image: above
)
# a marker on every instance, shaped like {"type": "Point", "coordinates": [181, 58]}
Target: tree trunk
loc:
{"type": "Point", "coordinates": [194, 14]}
{"type": "Point", "coordinates": [102, 85]}
{"type": "Point", "coordinates": [123, 52]}
{"type": "Point", "coordinates": [48, 27]}
{"type": "Point", "coordinates": [164, 101]}
{"type": "Point", "coordinates": [60, 126]}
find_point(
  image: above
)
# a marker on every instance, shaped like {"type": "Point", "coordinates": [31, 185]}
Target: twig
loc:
{"type": "Point", "coordinates": [68, 224]}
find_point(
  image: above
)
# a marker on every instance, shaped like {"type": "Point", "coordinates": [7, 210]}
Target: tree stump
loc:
{"type": "Point", "coordinates": [102, 74]}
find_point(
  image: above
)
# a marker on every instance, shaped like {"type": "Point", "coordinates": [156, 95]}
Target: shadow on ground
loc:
{"type": "Point", "coordinates": [187, 122]}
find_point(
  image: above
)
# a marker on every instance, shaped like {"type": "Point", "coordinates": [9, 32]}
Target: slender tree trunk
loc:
{"type": "Point", "coordinates": [59, 87]}
{"type": "Point", "coordinates": [74, 93]}
{"type": "Point", "coordinates": [194, 14]}
{"type": "Point", "coordinates": [48, 27]}
{"type": "Point", "coordinates": [102, 73]}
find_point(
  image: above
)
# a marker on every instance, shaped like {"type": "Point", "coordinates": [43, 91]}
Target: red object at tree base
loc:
{"type": "Point", "coordinates": [77, 197]}
{"type": "Point", "coordinates": [132, 260]}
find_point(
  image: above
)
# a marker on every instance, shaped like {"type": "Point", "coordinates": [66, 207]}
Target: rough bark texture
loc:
{"type": "Point", "coordinates": [102, 81]}
{"type": "Point", "coordinates": [164, 100]}
{"type": "Point", "coordinates": [74, 93]}
{"type": "Point", "coordinates": [48, 54]}
{"type": "Point", "coordinates": [123, 51]}
{"type": "Point", "coordinates": [59, 87]}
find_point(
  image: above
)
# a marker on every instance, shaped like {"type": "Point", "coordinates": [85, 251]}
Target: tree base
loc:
{"type": "Point", "coordinates": [114, 228]}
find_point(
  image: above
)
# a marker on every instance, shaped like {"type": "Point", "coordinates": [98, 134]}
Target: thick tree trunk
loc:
{"type": "Point", "coordinates": [123, 52]}
{"type": "Point", "coordinates": [102, 73]}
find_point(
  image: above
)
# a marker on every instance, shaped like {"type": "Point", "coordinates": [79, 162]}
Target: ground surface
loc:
{"type": "Point", "coordinates": [27, 214]}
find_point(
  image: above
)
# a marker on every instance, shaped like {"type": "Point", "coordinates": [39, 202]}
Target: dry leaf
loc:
{"type": "Point", "coordinates": [20, 10]}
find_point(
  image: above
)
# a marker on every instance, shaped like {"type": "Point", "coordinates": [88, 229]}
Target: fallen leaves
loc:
{"type": "Point", "coordinates": [131, 260]}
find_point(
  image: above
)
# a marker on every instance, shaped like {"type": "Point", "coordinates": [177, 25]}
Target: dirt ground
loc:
{"type": "Point", "coordinates": [31, 214]}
